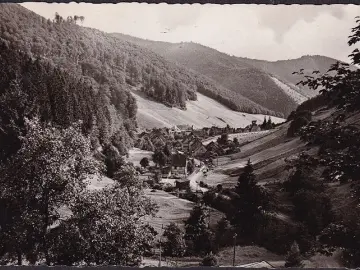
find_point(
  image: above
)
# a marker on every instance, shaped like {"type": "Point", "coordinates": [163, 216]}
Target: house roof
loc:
{"type": "Point", "coordinates": [182, 180]}
{"type": "Point", "coordinates": [183, 127]}
{"type": "Point", "coordinates": [212, 145]}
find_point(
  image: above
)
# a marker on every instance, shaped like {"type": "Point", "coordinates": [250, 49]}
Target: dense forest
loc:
{"type": "Point", "coordinates": [34, 87]}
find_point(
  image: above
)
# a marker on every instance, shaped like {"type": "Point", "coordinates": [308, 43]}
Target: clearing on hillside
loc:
{"type": "Point", "coordinates": [174, 209]}
{"type": "Point", "coordinates": [205, 112]}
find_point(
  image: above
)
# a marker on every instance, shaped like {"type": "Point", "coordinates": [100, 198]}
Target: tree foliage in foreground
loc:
{"type": "Point", "coordinates": [338, 154]}
{"type": "Point", "coordinates": [49, 214]}
{"type": "Point", "coordinates": [47, 173]}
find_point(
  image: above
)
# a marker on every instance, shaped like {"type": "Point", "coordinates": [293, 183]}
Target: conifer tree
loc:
{"type": "Point", "coordinates": [293, 258]}
{"type": "Point", "coordinates": [269, 124]}
{"type": "Point", "coordinates": [263, 125]}
{"type": "Point", "coordinates": [197, 233]}
{"type": "Point", "coordinates": [249, 204]}
{"type": "Point", "coordinates": [175, 243]}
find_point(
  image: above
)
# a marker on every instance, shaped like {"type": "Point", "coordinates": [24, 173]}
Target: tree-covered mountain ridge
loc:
{"type": "Point", "coordinates": [251, 78]}
{"type": "Point", "coordinates": [113, 64]}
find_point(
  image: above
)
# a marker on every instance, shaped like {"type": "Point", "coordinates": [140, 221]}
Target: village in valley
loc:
{"type": "Point", "coordinates": [183, 156]}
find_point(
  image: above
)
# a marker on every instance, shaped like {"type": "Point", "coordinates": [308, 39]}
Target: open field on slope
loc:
{"type": "Point", "coordinates": [173, 209]}
{"type": "Point", "coordinates": [242, 137]}
{"type": "Point", "coordinates": [205, 112]}
{"type": "Point", "coordinates": [135, 155]}
{"type": "Point", "coordinates": [294, 95]}
{"type": "Point", "coordinates": [245, 255]}
{"type": "Point", "coordinates": [273, 153]}
{"type": "Point", "coordinates": [267, 153]}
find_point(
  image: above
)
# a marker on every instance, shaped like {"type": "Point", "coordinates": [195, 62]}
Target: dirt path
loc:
{"type": "Point", "coordinates": [194, 177]}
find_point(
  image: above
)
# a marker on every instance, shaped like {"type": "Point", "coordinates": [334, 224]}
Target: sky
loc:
{"type": "Point", "coordinates": [264, 32]}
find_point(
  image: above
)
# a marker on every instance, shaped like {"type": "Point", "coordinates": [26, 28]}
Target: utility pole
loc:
{"type": "Point", "coordinates": [162, 227]}
{"type": "Point", "coordinates": [234, 249]}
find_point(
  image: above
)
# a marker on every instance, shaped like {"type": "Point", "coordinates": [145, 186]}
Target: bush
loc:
{"type": "Point", "coordinates": [293, 258]}
{"type": "Point", "coordinates": [203, 185]}
{"type": "Point", "coordinates": [209, 260]}
{"type": "Point", "coordinates": [157, 186]}
{"type": "Point", "coordinates": [168, 188]}
{"type": "Point", "coordinates": [144, 162]}
{"type": "Point", "coordinates": [296, 125]}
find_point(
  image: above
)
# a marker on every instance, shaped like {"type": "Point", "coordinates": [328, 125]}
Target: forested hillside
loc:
{"type": "Point", "coordinates": [50, 123]}
{"type": "Point", "coordinates": [248, 77]}
{"type": "Point", "coordinates": [113, 65]}
{"type": "Point", "coordinates": [32, 87]}
{"type": "Point", "coordinates": [239, 77]}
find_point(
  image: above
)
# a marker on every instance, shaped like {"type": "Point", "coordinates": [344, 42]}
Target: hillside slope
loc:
{"type": "Point", "coordinates": [30, 88]}
{"type": "Point", "coordinates": [283, 70]}
{"type": "Point", "coordinates": [111, 64]}
{"type": "Point", "coordinates": [242, 77]}
{"type": "Point", "coordinates": [204, 112]}
{"type": "Point", "coordinates": [270, 84]}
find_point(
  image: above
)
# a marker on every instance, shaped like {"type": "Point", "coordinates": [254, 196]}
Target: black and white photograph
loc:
{"type": "Point", "coordinates": [179, 135]}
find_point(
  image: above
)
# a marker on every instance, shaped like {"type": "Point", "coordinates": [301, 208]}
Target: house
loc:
{"type": "Point", "coordinates": [199, 133]}
{"type": "Point", "coordinates": [173, 130]}
{"type": "Point", "coordinates": [255, 129]}
{"type": "Point", "coordinates": [178, 145]}
{"type": "Point", "coordinates": [196, 148]}
{"type": "Point", "coordinates": [201, 150]}
{"type": "Point", "coordinates": [212, 146]}
{"type": "Point", "coordinates": [182, 184]}
{"type": "Point", "coordinates": [179, 163]}
{"type": "Point", "coordinates": [186, 142]}
{"type": "Point", "coordinates": [239, 130]}
{"type": "Point", "coordinates": [206, 131]}
{"type": "Point", "coordinates": [214, 131]}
